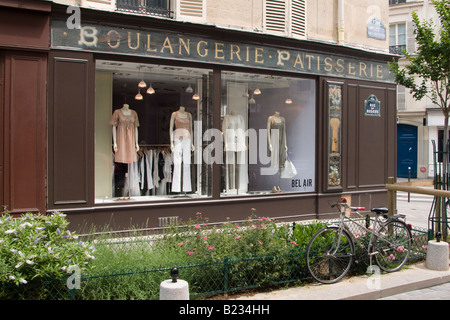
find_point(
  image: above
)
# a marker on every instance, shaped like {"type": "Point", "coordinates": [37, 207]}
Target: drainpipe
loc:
{"type": "Point", "coordinates": [341, 22]}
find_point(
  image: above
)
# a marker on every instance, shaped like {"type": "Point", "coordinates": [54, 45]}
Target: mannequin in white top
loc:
{"type": "Point", "coordinates": [177, 122]}
{"type": "Point", "coordinates": [181, 144]}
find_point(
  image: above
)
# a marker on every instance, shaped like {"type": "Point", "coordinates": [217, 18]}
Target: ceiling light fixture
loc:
{"type": "Point", "coordinates": [141, 84]}
{"type": "Point", "coordinates": [139, 96]}
{"type": "Point", "coordinates": [150, 89]}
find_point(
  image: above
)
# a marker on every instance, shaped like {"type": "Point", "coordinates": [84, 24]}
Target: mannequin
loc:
{"type": "Point", "coordinates": [277, 145]}
{"type": "Point", "coordinates": [125, 125]}
{"type": "Point", "coordinates": [233, 129]}
{"type": "Point", "coordinates": [181, 144]}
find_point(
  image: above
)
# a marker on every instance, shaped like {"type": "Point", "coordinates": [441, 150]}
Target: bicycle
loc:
{"type": "Point", "coordinates": [331, 251]}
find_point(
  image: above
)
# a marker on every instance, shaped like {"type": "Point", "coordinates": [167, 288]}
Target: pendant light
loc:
{"type": "Point", "coordinates": [141, 84]}
{"type": "Point", "coordinates": [257, 91]}
{"type": "Point", "coordinates": [189, 88]}
{"type": "Point", "coordinates": [139, 96]}
{"type": "Point", "coordinates": [252, 100]}
{"type": "Point", "coordinates": [150, 89]}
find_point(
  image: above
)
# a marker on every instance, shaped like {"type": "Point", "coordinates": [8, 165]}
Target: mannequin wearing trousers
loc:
{"type": "Point", "coordinates": [181, 144]}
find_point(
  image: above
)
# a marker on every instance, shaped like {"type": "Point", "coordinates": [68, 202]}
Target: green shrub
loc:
{"type": "Point", "coordinates": [36, 248]}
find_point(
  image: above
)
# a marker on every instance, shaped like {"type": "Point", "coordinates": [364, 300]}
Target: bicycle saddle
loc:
{"type": "Point", "coordinates": [382, 210]}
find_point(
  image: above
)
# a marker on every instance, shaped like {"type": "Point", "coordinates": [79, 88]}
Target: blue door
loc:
{"type": "Point", "coordinates": [406, 150]}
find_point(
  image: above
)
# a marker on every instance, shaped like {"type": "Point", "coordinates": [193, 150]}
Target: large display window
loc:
{"type": "Point", "coordinates": [269, 134]}
{"type": "Point", "coordinates": [147, 120]}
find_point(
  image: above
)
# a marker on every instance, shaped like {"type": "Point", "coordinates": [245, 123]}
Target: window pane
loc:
{"type": "Point", "coordinates": [268, 123]}
{"type": "Point", "coordinates": [146, 120]}
{"type": "Point", "coordinates": [402, 34]}
{"type": "Point", "coordinates": [392, 35]}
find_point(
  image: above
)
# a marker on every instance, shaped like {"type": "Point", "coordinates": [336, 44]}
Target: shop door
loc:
{"type": "Point", "coordinates": [406, 150]}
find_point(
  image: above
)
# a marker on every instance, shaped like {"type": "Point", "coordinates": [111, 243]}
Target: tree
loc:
{"type": "Point", "coordinates": [428, 71]}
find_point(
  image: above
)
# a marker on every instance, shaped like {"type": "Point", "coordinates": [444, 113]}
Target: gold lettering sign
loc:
{"type": "Point", "coordinates": [167, 45]}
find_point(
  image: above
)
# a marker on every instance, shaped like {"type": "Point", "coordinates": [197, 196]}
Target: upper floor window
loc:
{"type": "Point", "coordinates": [287, 17]}
{"type": "Point", "coordinates": [150, 7]}
{"type": "Point", "coordinates": [391, 2]}
{"type": "Point", "coordinates": [397, 38]}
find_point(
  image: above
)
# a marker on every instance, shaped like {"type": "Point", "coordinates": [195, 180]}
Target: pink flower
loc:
{"type": "Point", "coordinates": [180, 244]}
{"type": "Point", "coordinates": [238, 237]}
{"type": "Point", "coordinates": [255, 226]}
{"type": "Point", "coordinates": [197, 226]}
{"type": "Point", "coordinates": [400, 249]}
{"type": "Point", "coordinates": [190, 253]}
{"type": "Point", "coordinates": [391, 257]}
{"type": "Point", "coordinates": [260, 242]}
{"type": "Point", "coordinates": [237, 227]}
{"type": "Point", "coordinates": [205, 237]}
{"type": "Point", "coordinates": [211, 248]}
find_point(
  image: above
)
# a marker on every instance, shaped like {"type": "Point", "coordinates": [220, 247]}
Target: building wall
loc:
{"type": "Point", "coordinates": [24, 44]}
{"type": "Point", "coordinates": [322, 18]}
{"type": "Point", "coordinates": [411, 111]}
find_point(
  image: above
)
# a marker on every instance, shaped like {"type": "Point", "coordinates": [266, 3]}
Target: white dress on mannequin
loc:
{"type": "Point", "coordinates": [233, 128]}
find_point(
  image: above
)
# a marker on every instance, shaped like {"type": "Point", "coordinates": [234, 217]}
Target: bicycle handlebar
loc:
{"type": "Point", "coordinates": [344, 204]}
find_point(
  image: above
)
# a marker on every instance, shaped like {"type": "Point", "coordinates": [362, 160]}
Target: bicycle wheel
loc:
{"type": "Point", "coordinates": [329, 255]}
{"type": "Point", "coordinates": [392, 245]}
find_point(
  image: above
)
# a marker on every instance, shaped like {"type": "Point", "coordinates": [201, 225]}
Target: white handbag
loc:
{"type": "Point", "coordinates": [289, 170]}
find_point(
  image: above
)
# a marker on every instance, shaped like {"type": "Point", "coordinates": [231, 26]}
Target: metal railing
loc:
{"type": "Point", "coordinates": [398, 49]}
{"type": "Point", "coordinates": [228, 275]}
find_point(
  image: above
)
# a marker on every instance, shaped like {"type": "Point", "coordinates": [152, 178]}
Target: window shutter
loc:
{"type": "Point", "coordinates": [191, 10]}
{"type": "Point", "coordinates": [275, 16]}
{"type": "Point", "coordinates": [298, 18]}
{"type": "Point", "coordinates": [287, 17]}
{"type": "Point", "coordinates": [410, 37]}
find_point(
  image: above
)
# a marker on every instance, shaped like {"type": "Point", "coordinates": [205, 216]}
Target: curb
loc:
{"type": "Point", "coordinates": [413, 277]}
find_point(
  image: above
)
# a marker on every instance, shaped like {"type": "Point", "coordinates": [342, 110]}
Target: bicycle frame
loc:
{"type": "Point", "coordinates": [342, 226]}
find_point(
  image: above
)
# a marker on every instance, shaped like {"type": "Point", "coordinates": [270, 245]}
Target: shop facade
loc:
{"type": "Point", "coordinates": [24, 47]}
{"type": "Point", "coordinates": [150, 121]}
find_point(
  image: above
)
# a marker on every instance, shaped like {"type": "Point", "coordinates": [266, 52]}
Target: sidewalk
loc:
{"type": "Point", "coordinates": [371, 287]}
{"type": "Point", "coordinates": [366, 287]}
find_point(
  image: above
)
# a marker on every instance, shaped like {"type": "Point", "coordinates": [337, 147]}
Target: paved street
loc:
{"type": "Point", "coordinates": [417, 211]}
{"type": "Point", "coordinates": [441, 292]}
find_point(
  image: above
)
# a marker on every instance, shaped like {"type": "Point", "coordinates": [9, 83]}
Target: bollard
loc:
{"type": "Point", "coordinates": [174, 289]}
{"type": "Point", "coordinates": [437, 254]}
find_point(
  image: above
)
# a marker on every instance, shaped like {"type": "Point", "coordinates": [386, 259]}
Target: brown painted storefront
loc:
{"type": "Point", "coordinates": [66, 181]}
{"type": "Point", "coordinates": [24, 46]}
